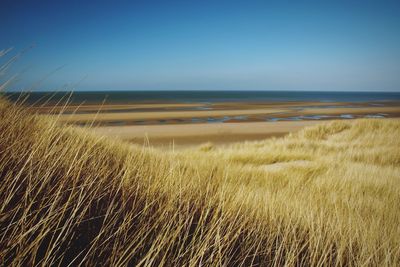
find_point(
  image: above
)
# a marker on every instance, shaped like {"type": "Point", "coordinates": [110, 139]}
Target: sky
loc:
{"type": "Point", "coordinates": [202, 45]}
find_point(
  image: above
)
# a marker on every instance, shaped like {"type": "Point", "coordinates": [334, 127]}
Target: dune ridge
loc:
{"type": "Point", "coordinates": [325, 196]}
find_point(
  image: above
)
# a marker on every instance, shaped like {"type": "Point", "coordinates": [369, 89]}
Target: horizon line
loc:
{"type": "Point", "coordinates": [198, 90]}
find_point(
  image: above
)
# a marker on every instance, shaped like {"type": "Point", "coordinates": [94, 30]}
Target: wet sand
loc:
{"type": "Point", "coordinates": [157, 115]}
{"type": "Point", "coordinates": [225, 115]}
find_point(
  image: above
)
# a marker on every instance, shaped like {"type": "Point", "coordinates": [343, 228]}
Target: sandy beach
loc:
{"type": "Point", "coordinates": [146, 113]}
{"type": "Point", "coordinates": [195, 134]}
{"type": "Point", "coordinates": [188, 124]}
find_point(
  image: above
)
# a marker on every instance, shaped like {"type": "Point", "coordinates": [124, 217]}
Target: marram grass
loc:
{"type": "Point", "coordinates": [326, 196]}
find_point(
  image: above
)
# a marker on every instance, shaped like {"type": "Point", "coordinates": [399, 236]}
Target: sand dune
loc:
{"type": "Point", "coordinates": [325, 196]}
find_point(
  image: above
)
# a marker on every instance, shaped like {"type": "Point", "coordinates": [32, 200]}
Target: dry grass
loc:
{"type": "Point", "coordinates": [328, 195]}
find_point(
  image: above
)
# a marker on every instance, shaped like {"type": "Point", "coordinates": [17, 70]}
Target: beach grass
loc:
{"type": "Point", "coordinates": [326, 196]}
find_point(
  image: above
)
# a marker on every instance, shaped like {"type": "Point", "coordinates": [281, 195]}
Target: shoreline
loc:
{"type": "Point", "coordinates": [231, 115]}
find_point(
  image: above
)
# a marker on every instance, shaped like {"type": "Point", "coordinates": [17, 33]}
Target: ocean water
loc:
{"type": "Point", "coordinates": [200, 96]}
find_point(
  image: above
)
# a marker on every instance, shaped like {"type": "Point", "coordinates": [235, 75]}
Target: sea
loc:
{"type": "Point", "coordinates": [115, 97]}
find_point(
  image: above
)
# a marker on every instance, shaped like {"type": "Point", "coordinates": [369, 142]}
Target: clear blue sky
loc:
{"type": "Point", "coordinates": [205, 45]}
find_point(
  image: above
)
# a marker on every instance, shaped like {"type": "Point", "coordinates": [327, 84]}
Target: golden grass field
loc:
{"type": "Point", "coordinates": [327, 195]}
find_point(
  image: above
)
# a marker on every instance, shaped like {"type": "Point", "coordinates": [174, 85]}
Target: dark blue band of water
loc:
{"type": "Point", "coordinates": [201, 96]}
